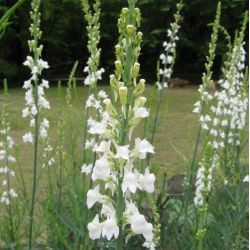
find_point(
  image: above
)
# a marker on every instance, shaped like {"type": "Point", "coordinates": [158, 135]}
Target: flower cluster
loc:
{"type": "Point", "coordinates": [204, 175]}
{"type": "Point", "coordinates": [93, 31]}
{"type": "Point", "coordinates": [7, 159]}
{"type": "Point", "coordinates": [114, 172]}
{"type": "Point", "coordinates": [6, 145]}
{"type": "Point", "coordinates": [205, 96]}
{"type": "Point", "coordinates": [95, 125]}
{"type": "Point", "coordinates": [35, 96]}
{"type": "Point", "coordinates": [168, 57]}
{"type": "Point", "coordinates": [231, 102]}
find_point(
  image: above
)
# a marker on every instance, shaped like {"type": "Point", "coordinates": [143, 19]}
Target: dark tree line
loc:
{"type": "Point", "coordinates": [64, 35]}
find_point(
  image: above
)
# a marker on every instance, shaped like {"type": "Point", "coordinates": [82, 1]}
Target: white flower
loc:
{"type": "Point", "coordinates": [33, 110]}
{"type": "Point", "coordinates": [27, 84]}
{"type": "Point", "coordinates": [141, 112]}
{"type": "Point", "coordinates": [28, 138]}
{"type": "Point", "coordinates": [90, 143]}
{"type": "Point", "coordinates": [148, 232]}
{"type": "Point", "coordinates": [13, 193]}
{"type": "Point", "coordinates": [94, 196]}
{"type": "Point", "coordinates": [224, 123]}
{"type": "Point", "coordinates": [86, 168]}
{"type": "Point", "coordinates": [45, 84]}
{"type": "Point", "coordinates": [147, 181]}
{"type": "Point", "coordinates": [130, 181]}
{"type": "Point", "coordinates": [143, 147]}
{"type": "Point", "coordinates": [108, 210]}
{"type": "Point", "coordinates": [104, 147]}
{"type": "Point", "coordinates": [102, 94]}
{"type": "Point", "coordinates": [110, 228]}
{"type": "Point", "coordinates": [139, 225]}
{"type": "Point", "coordinates": [101, 169]}
{"type": "Point", "coordinates": [122, 152]}
{"type": "Point", "coordinates": [25, 112]}
{"type": "Point", "coordinates": [89, 80]}
{"type": "Point", "coordinates": [95, 228]}
{"type": "Point", "coordinates": [43, 103]}
{"type": "Point", "coordinates": [32, 123]}
{"type": "Point", "coordinates": [246, 178]}
{"type": "Point", "coordinates": [43, 132]}
{"type": "Point", "coordinates": [45, 123]}
{"type": "Point", "coordinates": [42, 65]}
{"type": "Point", "coordinates": [29, 62]}
{"type": "Point", "coordinates": [97, 128]}
{"type": "Point", "coordinates": [86, 69]}
{"type": "Point", "coordinates": [150, 245]}
{"type": "Point", "coordinates": [99, 73]}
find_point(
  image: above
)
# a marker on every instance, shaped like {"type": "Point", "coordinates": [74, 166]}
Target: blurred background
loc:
{"type": "Point", "coordinates": [64, 36]}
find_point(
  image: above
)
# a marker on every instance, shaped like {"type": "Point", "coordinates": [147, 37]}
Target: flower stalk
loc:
{"type": "Point", "coordinates": [115, 170]}
{"type": "Point", "coordinates": [35, 102]}
{"type": "Point", "coordinates": [167, 61]}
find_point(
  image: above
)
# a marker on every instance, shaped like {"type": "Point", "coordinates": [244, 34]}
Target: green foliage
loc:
{"type": "Point", "coordinates": [64, 34]}
{"type": "Point", "coordinates": [4, 21]}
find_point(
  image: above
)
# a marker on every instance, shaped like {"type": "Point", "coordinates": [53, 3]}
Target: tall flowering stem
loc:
{"type": "Point", "coordinates": [231, 104]}
{"type": "Point", "coordinates": [167, 62]}
{"type": "Point", "coordinates": [223, 129]}
{"type": "Point", "coordinates": [35, 101]}
{"type": "Point", "coordinates": [92, 17]}
{"type": "Point", "coordinates": [6, 145]}
{"type": "Point", "coordinates": [204, 180]}
{"type": "Point", "coordinates": [114, 174]}
{"type": "Point", "coordinates": [205, 98]}
{"type": "Point", "coordinates": [93, 31]}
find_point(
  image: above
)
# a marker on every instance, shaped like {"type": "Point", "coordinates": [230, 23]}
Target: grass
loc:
{"type": "Point", "coordinates": [175, 135]}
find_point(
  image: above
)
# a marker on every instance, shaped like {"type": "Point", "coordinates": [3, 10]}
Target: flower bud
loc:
{"type": "Point", "coordinates": [107, 101]}
{"type": "Point", "coordinates": [135, 70]}
{"type": "Point", "coordinates": [125, 11]}
{"type": "Point", "coordinates": [123, 91]}
{"type": "Point", "coordinates": [140, 87]}
{"type": "Point", "coordinates": [109, 106]}
{"type": "Point", "coordinates": [138, 38]}
{"type": "Point", "coordinates": [137, 15]}
{"type": "Point", "coordinates": [139, 102]}
{"type": "Point", "coordinates": [113, 82]}
{"type": "Point", "coordinates": [124, 42]}
{"type": "Point", "coordinates": [118, 50]}
{"type": "Point", "coordinates": [118, 66]}
{"type": "Point", "coordinates": [130, 30]}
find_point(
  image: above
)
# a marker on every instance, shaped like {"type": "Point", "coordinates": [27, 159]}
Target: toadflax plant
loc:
{"type": "Point", "coordinates": [224, 138]}
{"type": "Point", "coordinates": [93, 31]}
{"type": "Point", "coordinates": [115, 174]}
{"type": "Point", "coordinates": [8, 199]}
{"type": "Point", "coordinates": [205, 99]}
{"type": "Point", "coordinates": [167, 60]}
{"type": "Point", "coordinates": [92, 18]}
{"type": "Point", "coordinates": [35, 102]}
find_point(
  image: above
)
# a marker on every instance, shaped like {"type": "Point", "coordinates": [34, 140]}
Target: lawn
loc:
{"type": "Point", "coordinates": [177, 127]}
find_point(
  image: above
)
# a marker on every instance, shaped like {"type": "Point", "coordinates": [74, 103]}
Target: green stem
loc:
{"type": "Point", "coordinates": [192, 170]}
{"type": "Point", "coordinates": [159, 98]}
{"type": "Point", "coordinates": [34, 181]}
{"type": "Point", "coordinates": [119, 213]}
